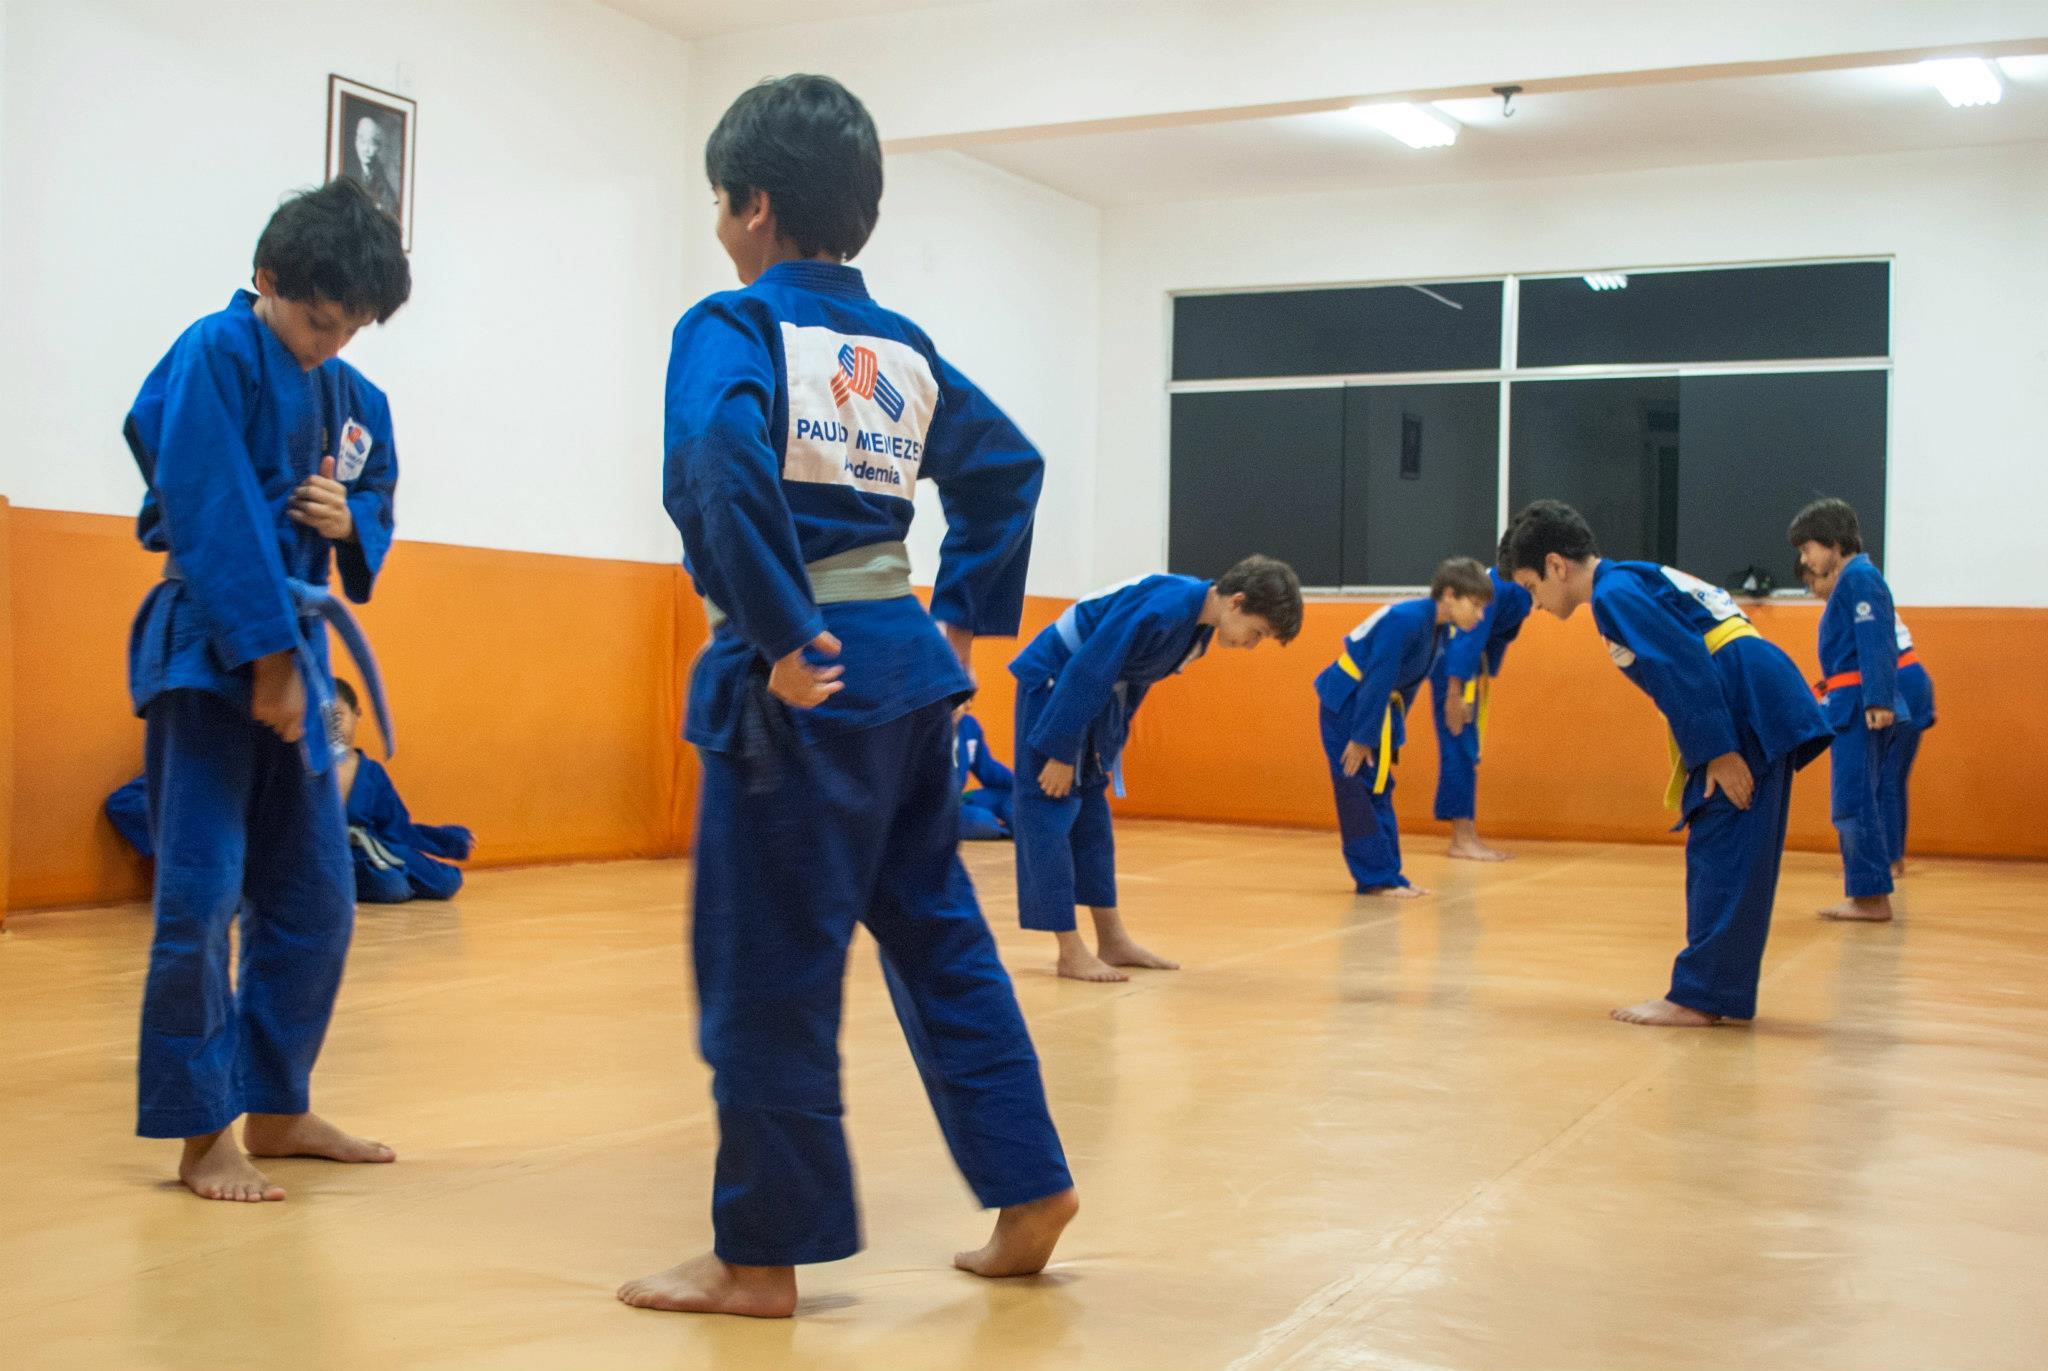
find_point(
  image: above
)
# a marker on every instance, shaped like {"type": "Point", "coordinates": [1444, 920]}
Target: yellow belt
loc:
{"type": "Point", "coordinates": [1722, 634]}
{"type": "Point", "coordinates": [1394, 702]}
{"type": "Point", "coordinates": [1479, 693]}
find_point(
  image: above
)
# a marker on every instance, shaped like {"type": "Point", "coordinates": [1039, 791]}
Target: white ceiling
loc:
{"type": "Point", "coordinates": [709, 18]}
{"type": "Point", "coordinates": [1808, 114]}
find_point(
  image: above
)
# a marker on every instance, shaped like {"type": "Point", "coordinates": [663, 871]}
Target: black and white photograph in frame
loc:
{"type": "Point", "coordinates": [370, 141]}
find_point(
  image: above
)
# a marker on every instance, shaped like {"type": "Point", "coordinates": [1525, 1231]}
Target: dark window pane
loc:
{"type": "Point", "coordinates": [1610, 448]}
{"type": "Point", "coordinates": [1744, 314]}
{"type": "Point", "coordinates": [1450, 327]}
{"type": "Point", "coordinates": [1257, 471]}
{"type": "Point", "coordinates": [1421, 479]}
{"type": "Point", "coordinates": [1759, 447]}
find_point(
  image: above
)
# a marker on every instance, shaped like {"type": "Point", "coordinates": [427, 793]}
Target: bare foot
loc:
{"type": "Point", "coordinates": [1664, 1014]}
{"type": "Point", "coordinates": [1898, 868]}
{"type": "Point", "coordinates": [1124, 952]}
{"type": "Point", "coordinates": [1023, 1241]}
{"type": "Point", "coordinates": [1395, 892]}
{"type": "Point", "coordinates": [309, 1135]}
{"type": "Point", "coordinates": [1077, 963]}
{"type": "Point", "coordinates": [706, 1285]}
{"type": "Point", "coordinates": [215, 1168]}
{"type": "Point", "coordinates": [1475, 851]}
{"type": "Point", "coordinates": [1867, 909]}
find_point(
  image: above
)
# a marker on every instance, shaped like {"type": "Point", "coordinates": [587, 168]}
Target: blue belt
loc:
{"type": "Point", "coordinates": [1068, 626]}
{"type": "Point", "coordinates": [317, 602]}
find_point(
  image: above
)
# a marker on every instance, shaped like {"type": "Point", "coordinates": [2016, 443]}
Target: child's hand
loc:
{"type": "Point", "coordinates": [800, 685]}
{"type": "Point", "coordinates": [1056, 779]}
{"type": "Point", "coordinates": [1356, 755]}
{"type": "Point", "coordinates": [961, 640]}
{"type": "Point", "coordinates": [1730, 774]}
{"type": "Point", "coordinates": [321, 504]}
{"type": "Point", "coordinates": [1457, 713]}
{"type": "Point", "coordinates": [277, 697]}
{"type": "Point", "coordinates": [1875, 718]}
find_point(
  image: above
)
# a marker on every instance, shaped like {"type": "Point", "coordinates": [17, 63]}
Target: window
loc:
{"type": "Point", "coordinates": [1688, 413]}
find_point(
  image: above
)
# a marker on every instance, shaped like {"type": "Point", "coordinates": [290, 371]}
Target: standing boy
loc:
{"type": "Point", "coordinates": [1741, 721]}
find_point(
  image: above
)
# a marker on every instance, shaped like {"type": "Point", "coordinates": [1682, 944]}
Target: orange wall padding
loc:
{"type": "Point", "coordinates": [6, 709]}
{"type": "Point", "coordinates": [1576, 752]}
{"type": "Point", "coordinates": [538, 700]}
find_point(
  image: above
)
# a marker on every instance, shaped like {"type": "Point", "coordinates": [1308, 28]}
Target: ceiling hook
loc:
{"type": "Point", "coordinates": [1507, 96]}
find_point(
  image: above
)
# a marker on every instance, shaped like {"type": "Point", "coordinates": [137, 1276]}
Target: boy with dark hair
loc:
{"type": "Point", "coordinates": [1865, 654]}
{"type": "Point", "coordinates": [1079, 684]}
{"type": "Point", "coordinates": [1364, 697]}
{"type": "Point", "coordinates": [985, 809]}
{"type": "Point", "coordinates": [800, 416]}
{"type": "Point", "coordinates": [1461, 692]}
{"type": "Point", "coordinates": [1742, 722]}
{"type": "Point", "coordinates": [268, 461]}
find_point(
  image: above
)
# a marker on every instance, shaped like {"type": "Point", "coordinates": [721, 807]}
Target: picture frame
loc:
{"type": "Point", "coordinates": [372, 135]}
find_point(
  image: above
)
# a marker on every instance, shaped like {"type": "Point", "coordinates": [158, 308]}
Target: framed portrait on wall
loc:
{"type": "Point", "coordinates": [370, 136]}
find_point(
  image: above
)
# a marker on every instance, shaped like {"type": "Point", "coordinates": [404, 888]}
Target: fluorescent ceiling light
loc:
{"type": "Point", "coordinates": [1964, 81]}
{"type": "Point", "coordinates": [1606, 280]}
{"type": "Point", "coordinates": [1412, 124]}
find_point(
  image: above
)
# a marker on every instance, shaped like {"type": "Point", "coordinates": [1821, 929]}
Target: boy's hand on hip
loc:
{"type": "Point", "coordinates": [1729, 774]}
{"type": "Point", "coordinates": [1056, 779]}
{"type": "Point", "coordinates": [1356, 756]}
{"type": "Point", "coordinates": [321, 504]}
{"type": "Point", "coordinates": [1876, 718]}
{"type": "Point", "coordinates": [1457, 713]}
{"type": "Point", "coordinates": [277, 697]}
{"type": "Point", "coordinates": [801, 685]}
{"type": "Point", "coordinates": [961, 640]}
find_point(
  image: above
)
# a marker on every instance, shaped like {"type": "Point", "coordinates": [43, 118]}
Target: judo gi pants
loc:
{"type": "Point", "coordinates": [984, 815]}
{"type": "Point", "coordinates": [1731, 880]}
{"type": "Point", "coordinates": [1066, 848]}
{"type": "Point", "coordinates": [239, 825]}
{"type": "Point", "coordinates": [856, 828]}
{"type": "Point", "coordinates": [1857, 761]}
{"type": "Point", "coordinates": [1371, 834]}
{"type": "Point", "coordinates": [420, 878]}
{"type": "Point", "coordinates": [1457, 771]}
{"type": "Point", "coordinates": [1893, 785]}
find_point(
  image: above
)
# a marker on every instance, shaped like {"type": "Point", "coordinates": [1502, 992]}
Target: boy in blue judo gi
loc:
{"type": "Point", "coordinates": [800, 416]}
{"type": "Point", "coordinates": [984, 810]}
{"type": "Point", "coordinates": [1461, 695]}
{"type": "Point", "coordinates": [1364, 698]}
{"type": "Point", "coordinates": [1741, 721]}
{"type": "Point", "coordinates": [1079, 683]}
{"type": "Point", "coordinates": [395, 859]}
{"type": "Point", "coordinates": [268, 461]}
{"type": "Point", "coordinates": [1866, 658]}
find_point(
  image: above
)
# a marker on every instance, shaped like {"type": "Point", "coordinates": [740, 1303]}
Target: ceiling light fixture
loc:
{"type": "Point", "coordinates": [1606, 280]}
{"type": "Point", "coordinates": [1412, 124]}
{"type": "Point", "coordinates": [1964, 81]}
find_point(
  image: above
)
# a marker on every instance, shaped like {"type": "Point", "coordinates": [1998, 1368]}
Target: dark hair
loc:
{"type": "Point", "coordinates": [1542, 528]}
{"type": "Point", "coordinates": [811, 145]}
{"type": "Point", "coordinates": [1463, 577]}
{"type": "Point", "coordinates": [1271, 590]}
{"type": "Point", "coordinates": [346, 693]}
{"type": "Point", "coordinates": [1832, 522]}
{"type": "Point", "coordinates": [335, 244]}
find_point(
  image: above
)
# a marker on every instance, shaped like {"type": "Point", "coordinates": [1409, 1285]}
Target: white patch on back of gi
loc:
{"type": "Point", "coordinates": [1713, 599]}
{"type": "Point", "coordinates": [860, 409]}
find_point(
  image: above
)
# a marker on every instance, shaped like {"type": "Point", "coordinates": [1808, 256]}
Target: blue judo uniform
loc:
{"type": "Point", "coordinates": [984, 810]}
{"type": "Point", "coordinates": [1364, 697]}
{"type": "Point", "coordinates": [1474, 659]}
{"type": "Point", "coordinates": [1916, 716]}
{"type": "Point", "coordinates": [1860, 658]}
{"type": "Point", "coordinates": [800, 415]}
{"type": "Point", "coordinates": [1722, 687]}
{"type": "Point", "coordinates": [1079, 684]}
{"type": "Point", "coordinates": [224, 429]}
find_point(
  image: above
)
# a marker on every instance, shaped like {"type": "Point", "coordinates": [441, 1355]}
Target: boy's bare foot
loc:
{"type": "Point", "coordinates": [1023, 1241]}
{"type": "Point", "coordinates": [1124, 952]}
{"type": "Point", "coordinates": [1867, 909]}
{"type": "Point", "coordinates": [309, 1135]}
{"type": "Point", "coordinates": [1465, 844]}
{"type": "Point", "coordinates": [706, 1285]}
{"type": "Point", "coordinates": [214, 1167]}
{"type": "Point", "coordinates": [1395, 892]}
{"type": "Point", "coordinates": [1077, 963]}
{"type": "Point", "coordinates": [1899, 868]}
{"type": "Point", "coordinates": [1664, 1014]}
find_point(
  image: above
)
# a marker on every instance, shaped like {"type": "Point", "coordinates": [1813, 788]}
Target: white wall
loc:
{"type": "Point", "coordinates": [146, 143]}
{"type": "Point", "coordinates": [1970, 287]}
